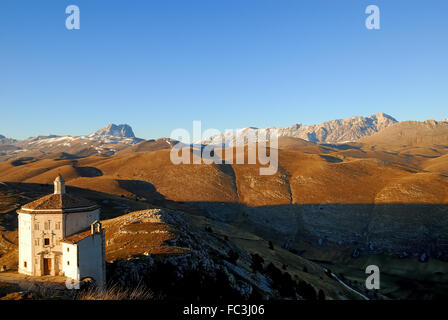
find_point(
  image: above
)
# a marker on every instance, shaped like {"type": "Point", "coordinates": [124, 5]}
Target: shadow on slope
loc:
{"type": "Point", "coordinates": [396, 229]}
{"type": "Point", "coordinates": [88, 172]}
{"type": "Point", "coordinates": [111, 205]}
{"type": "Point", "coordinates": [142, 189]}
{"type": "Point", "coordinates": [339, 234]}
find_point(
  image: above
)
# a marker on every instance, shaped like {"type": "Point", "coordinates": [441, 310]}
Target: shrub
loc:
{"type": "Point", "coordinates": [287, 286]}
{"type": "Point", "coordinates": [257, 262]}
{"type": "Point", "coordinates": [306, 290]}
{"type": "Point", "coordinates": [233, 256]}
{"type": "Point", "coordinates": [282, 282]}
{"type": "Point", "coordinates": [274, 273]}
{"type": "Point", "coordinates": [321, 295]}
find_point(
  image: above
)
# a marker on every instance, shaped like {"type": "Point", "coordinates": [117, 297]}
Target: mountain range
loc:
{"type": "Point", "coordinates": [8, 141]}
{"type": "Point", "coordinates": [115, 138]}
{"type": "Point", "coordinates": [336, 131]}
{"type": "Point", "coordinates": [106, 141]}
{"type": "Point", "coordinates": [381, 199]}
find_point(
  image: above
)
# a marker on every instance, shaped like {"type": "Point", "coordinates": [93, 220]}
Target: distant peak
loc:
{"type": "Point", "coordinates": [113, 130]}
{"type": "Point", "coordinates": [5, 140]}
{"type": "Point", "coordinates": [386, 116]}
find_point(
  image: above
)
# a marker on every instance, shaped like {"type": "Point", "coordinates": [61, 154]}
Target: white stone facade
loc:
{"type": "Point", "coordinates": [85, 258]}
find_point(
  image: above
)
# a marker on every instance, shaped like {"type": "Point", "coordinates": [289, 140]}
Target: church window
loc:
{"type": "Point", "coordinates": [47, 241]}
{"type": "Point", "coordinates": [47, 225]}
{"type": "Point", "coordinates": [36, 242]}
{"type": "Point", "coordinates": [24, 264]}
{"type": "Point", "coordinates": [58, 226]}
{"type": "Point", "coordinates": [36, 226]}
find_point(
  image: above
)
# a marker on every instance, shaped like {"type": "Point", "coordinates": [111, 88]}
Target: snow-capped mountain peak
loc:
{"type": "Point", "coordinates": [113, 130]}
{"type": "Point", "coordinates": [106, 141]}
{"type": "Point", "coordinates": [342, 130]}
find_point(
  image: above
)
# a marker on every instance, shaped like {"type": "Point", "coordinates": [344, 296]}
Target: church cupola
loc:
{"type": "Point", "coordinates": [59, 185]}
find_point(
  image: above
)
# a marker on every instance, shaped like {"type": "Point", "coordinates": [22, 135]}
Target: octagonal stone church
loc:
{"type": "Point", "coordinates": [61, 235]}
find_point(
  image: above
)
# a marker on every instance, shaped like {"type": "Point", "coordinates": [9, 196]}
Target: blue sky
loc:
{"type": "Point", "coordinates": [160, 64]}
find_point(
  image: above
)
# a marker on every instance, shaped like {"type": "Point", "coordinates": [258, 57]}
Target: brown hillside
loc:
{"type": "Point", "coordinates": [411, 134]}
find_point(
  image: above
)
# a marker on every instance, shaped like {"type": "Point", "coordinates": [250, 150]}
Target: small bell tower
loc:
{"type": "Point", "coordinates": [59, 185]}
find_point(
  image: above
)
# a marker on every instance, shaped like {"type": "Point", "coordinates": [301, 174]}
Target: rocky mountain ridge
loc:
{"type": "Point", "coordinates": [335, 131]}
{"type": "Point", "coordinates": [113, 130]}
{"type": "Point", "coordinates": [6, 141]}
{"type": "Point", "coordinates": [106, 141]}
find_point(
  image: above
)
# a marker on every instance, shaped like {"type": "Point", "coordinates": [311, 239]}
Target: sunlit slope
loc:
{"type": "Point", "coordinates": [411, 134]}
{"type": "Point", "coordinates": [306, 174]}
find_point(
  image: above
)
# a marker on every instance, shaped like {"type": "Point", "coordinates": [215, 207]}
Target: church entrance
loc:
{"type": "Point", "coordinates": [47, 266]}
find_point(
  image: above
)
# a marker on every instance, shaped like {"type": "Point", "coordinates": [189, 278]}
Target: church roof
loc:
{"type": "Point", "coordinates": [58, 202]}
{"type": "Point", "coordinates": [77, 237]}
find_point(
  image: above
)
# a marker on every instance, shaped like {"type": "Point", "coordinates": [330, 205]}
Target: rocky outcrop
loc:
{"type": "Point", "coordinates": [203, 254]}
